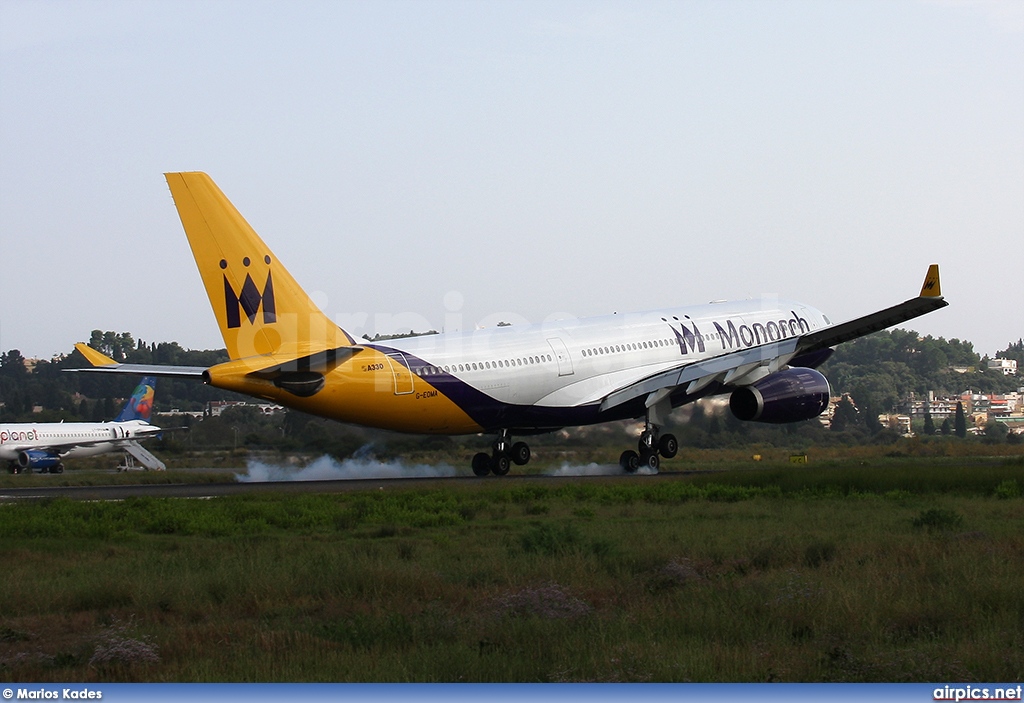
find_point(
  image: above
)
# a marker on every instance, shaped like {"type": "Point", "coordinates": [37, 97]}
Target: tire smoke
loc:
{"type": "Point", "coordinates": [593, 469]}
{"type": "Point", "coordinates": [361, 465]}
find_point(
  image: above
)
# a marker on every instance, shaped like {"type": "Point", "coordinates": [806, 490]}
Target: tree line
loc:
{"type": "Point", "coordinates": [882, 369]}
{"type": "Point", "coordinates": [40, 391]}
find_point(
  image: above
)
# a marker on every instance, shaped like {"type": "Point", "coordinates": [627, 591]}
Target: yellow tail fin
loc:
{"type": "Point", "coordinates": [260, 308]}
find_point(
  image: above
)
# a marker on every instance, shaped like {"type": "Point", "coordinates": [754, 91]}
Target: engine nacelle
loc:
{"type": "Point", "coordinates": [790, 395]}
{"type": "Point", "coordinates": [37, 459]}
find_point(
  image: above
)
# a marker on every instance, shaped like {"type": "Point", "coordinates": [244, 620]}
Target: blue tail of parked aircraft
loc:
{"type": "Point", "coordinates": [140, 405]}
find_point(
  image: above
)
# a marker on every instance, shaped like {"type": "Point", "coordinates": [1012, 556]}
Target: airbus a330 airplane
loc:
{"type": "Point", "coordinates": [43, 446]}
{"type": "Point", "coordinates": [515, 380]}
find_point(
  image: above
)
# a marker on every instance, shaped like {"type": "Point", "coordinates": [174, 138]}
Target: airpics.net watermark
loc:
{"type": "Point", "coordinates": [53, 694]}
{"type": "Point", "coordinates": [977, 693]}
{"type": "Point", "coordinates": [454, 319]}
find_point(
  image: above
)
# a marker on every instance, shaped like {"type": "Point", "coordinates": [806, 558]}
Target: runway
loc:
{"type": "Point", "coordinates": [230, 488]}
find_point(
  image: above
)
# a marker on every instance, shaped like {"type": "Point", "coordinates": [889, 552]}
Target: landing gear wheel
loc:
{"type": "Point", "coordinates": [520, 453]}
{"type": "Point", "coordinates": [58, 469]}
{"type": "Point", "coordinates": [500, 464]}
{"type": "Point", "coordinates": [481, 464]}
{"type": "Point", "coordinates": [668, 446]}
{"type": "Point", "coordinates": [629, 461]}
{"type": "Point", "coordinates": [651, 460]}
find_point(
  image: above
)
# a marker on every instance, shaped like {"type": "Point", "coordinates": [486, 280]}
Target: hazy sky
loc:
{"type": "Point", "coordinates": [423, 164]}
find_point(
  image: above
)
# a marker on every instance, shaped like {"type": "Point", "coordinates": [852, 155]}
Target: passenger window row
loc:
{"type": "Point", "coordinates": [484, 365]}
{"type": "Point", "coordinates": [631, 346]}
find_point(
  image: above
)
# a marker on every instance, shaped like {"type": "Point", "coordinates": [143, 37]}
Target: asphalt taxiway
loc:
{"type": "Point", "coordinates": [215, 490]}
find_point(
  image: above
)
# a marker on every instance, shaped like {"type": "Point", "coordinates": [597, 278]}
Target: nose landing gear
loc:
{"type": "Point", "coordinates": [503, 454]}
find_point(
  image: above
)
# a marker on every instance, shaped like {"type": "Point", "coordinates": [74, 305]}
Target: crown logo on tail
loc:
{"type": "Point", "coordinates": [250, 299]}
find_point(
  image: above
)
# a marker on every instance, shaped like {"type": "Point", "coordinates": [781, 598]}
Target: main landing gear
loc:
{"type": "Point", "coordinates": [651, 448]}
{"type": "Point", "coordinates": [503, 454]}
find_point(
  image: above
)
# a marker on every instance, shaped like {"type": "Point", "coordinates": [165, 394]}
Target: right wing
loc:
{"type": "Point", "coordinates": [930, 299]}
{"type": "Point", "coordinates": [745, 364]}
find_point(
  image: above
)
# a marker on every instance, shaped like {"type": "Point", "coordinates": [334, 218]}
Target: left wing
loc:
{"type": "Point", "coordinates": [751, 364]}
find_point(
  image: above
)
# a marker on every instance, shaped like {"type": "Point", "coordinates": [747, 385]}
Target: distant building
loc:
{"type": "Point", "coordinates": [1008, 367]}
{"type": "Point", "coordinates": [899, 423]}
{"type": "Point", "coordinates": [826, 417]}
{"type": "Point", "coordinates": [975, 403]}
{"type": "Point", "coordinates": [978, 407]}
{"type": "Point", "coordinates": [216, 407]}
{"type": "Point", "coordinates": [178, 412]}
{"type": "Point", "coordinates": [998, 405]}
{"type": "Point", "coordinates": [1014, 424]}
{"type": "Point", "coordinates": [938, 407]}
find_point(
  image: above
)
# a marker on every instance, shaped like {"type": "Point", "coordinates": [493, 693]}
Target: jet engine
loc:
{"type": "Point", "coordinates": [789, 395]}
{"type": "Point", "coordinates": [37, 459]}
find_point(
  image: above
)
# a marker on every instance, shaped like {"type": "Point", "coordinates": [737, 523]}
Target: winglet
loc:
{"type": "Point", "coordinates": [931, 288]}
{"type": "Point", "coordinates": [94, 357]}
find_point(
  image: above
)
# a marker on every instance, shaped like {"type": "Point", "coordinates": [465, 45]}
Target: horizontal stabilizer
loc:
{"type": "Point", "coordinates": [147, 370]}
{"type": "Point", "coordinates": [102, 363]}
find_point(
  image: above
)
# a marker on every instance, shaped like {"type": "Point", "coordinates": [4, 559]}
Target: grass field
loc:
{"type": "Point", "coordinates": [880, 570]}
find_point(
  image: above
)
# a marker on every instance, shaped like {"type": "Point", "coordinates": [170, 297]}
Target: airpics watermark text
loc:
{"type": "Point", "coordinates": [975, 693]}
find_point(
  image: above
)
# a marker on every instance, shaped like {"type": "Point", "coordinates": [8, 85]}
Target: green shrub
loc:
{"type": "Point", "coordinates": [1008, 489]}
{"type": "Point", "coordinates": [551, 540]}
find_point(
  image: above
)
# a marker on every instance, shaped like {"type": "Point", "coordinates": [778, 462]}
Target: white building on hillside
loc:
{"type": "Point", "coordinates": [1007, 366]}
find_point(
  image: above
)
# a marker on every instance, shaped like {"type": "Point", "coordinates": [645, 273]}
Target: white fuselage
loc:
{"type": "Point", "coordinates": [571, 363]}
{"type": "Point", "coordinates": [70, 439]}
